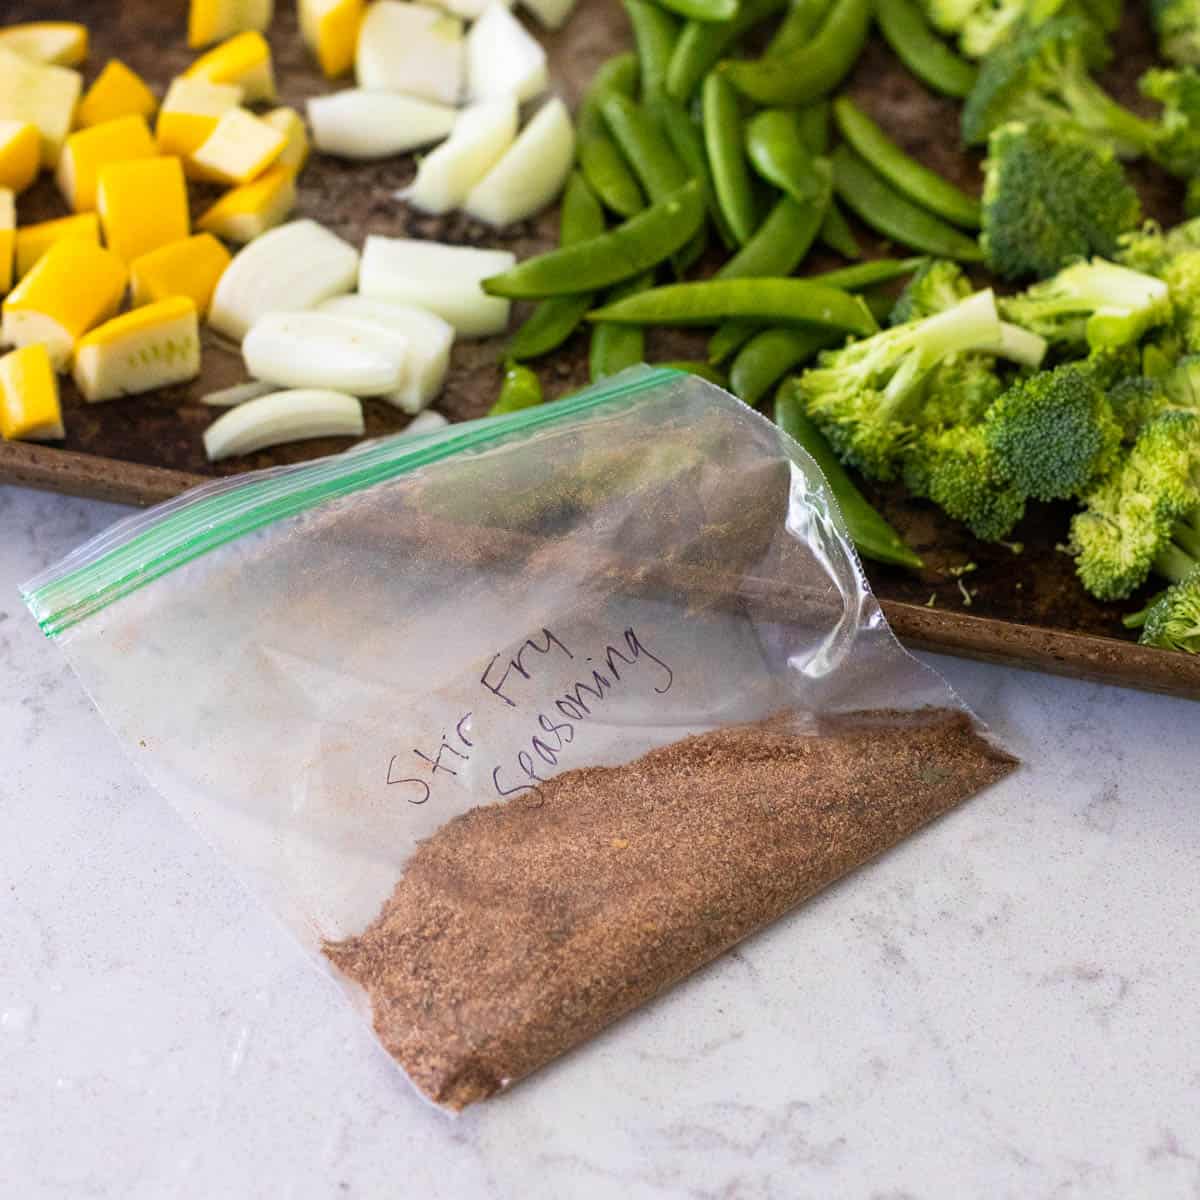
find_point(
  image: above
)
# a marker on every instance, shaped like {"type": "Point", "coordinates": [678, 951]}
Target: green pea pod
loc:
{"type": "Point", "coordinates": [701, 44]}
{"type": "Point", "coordinates": [779, 155]}
{"type": "Point", "coordinates": [774, 301]}
{"type": "Point", "coordinates": [784, 238]}
{"type": "Point", "coordinates": [688, 143]}
{"type": "Point", "coordinates": [553, 321]}
{"type": "Point", "coordinates": [521, 389]}
{"type": "Point", "coordinates": [895, 216]}
{"type": "Point", "coordinates": [921, 185]}
{"type": "Point", "coordinates": [802, 74]}
{"type": "Point", "coordinates": [804, 18]}
{"type": "Point", "coordinates": [635, 246]}
{"type": "Point", "coordinates": [906, 30]}
{"type": "Point", "coordinates": [729, 338]}
{"type": "Point", "coordinates": [602, 163]}
{"type": "Point", "coordinates": [655, 32]}
{"type": "Point", "coordinates": [703, 10]}
{"type": "Point", "coordinates": [871, 534]}
{"type": "Point", "coordinates": [727, 157]}
{"type": "Point", "coordinates": [615, 347]}
{"type": "Point", "coordinates": [764, 360]}
{"type": "Point", "coordinates": [837, 234]}
{"type": "Point", "coordinates": [701, 369]}
{"type": "Point", "coordinates": [814, 127]}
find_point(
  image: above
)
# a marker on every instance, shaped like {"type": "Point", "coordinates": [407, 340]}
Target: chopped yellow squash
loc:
{"type": "Point", "coordinates": [43, 95]}
{"type": "Point", "coordinates": [190, 112]}
{"type": "Point", "coordinates": [240, 149]}
{"type": "Point", "coordinates": [244, 60]}
{"type": "Point", "coordinates": [295, 133]}
{"type": "Point", "coordinates": [143, 205]}
{"type": "Point", "coordinates": [88, 150]}
{"type": "Point", "coordinates": [142, 350]}
{"type": "Point", "coordinates": [189, 268]}
{"type": "Point", "coordinates": [330, 30]}
{"type": "Point", "coordinates": [62, 43]}
{"type": "Point", "coordinates": [246, 212]}
{"type": "Point", "coordinates": [8, 238]}
{"type": "Point", "coordinates": [20, 154]}
{"type": "Point", "coordinates": [34, 240]}
{"type": "Point", "coordinates": [213, 20]}
{"type": "Point", "coordinates": [74, 286]}
{"type": "Point", "coordinates": [117, 92]}
{"type": "Point", "coordinates": [29, 405]}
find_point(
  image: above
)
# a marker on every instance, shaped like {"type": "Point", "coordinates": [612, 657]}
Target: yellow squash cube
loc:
{"type": "Point", "coordinates": [20, 154]}
{"type": "Point", "coordinates": [88, 150]}
{"type": "Point", "coordinates": [244, 60]}
{"type": "Point", "coordinates": [295, 133]}
{"type": "Point", "coordinates": [240, 149]}
{"type": "Point", "coordinates": [62, 43]}
{"type": "Point", "coordinates": [44, 96]}
{"type": "Point", "coordinates": [34, 240]}
{"type": "Point", "coordinates": [8, 238]}
{"type": "Point", "coordinates": [213, 20]}
{"type": "Point", "coordinates": [148, 348]}
{"type": "Point", "coordinates": [189, 268]}
{"type": "Point", "coordinates": [117, 92]}
{"type": "Point", "coordinates": [74, 287]}
{"type": "Point", "coordinates": [330, 30]}
{"type": "Point", "coordinates": [29, 404]}
{"type": "Point", "coordinates": [190, 113]}
{"type": "Point", "coordinates": [244, 213]}
{"type": "Point", "coordinates": [143, 205]}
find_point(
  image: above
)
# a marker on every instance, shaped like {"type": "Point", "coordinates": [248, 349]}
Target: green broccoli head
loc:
{"type": "Point", "coordinates": [1150, 249]}
{"type": "Point", "coordinates": [958, 391]}
{"type": "Point", "coordinates": [1177, 23]}
{"type": "Point", "coordinates": [1174, 257]}
{"type": "Point", "coordinates": [1177, 146]}
{"type": "Point", "coordinates": [1051, 195]}
{"type": "Point", "coordinates": [1053, 434]}
{"type": "Point", "coordinates": [1135, 400]}
{"type": "Point", "coordinates": [983, 25]}
{"type": "Point", "coordinates": [937, 285]}
{"type": "Point", "coordinates": [1173, 621]}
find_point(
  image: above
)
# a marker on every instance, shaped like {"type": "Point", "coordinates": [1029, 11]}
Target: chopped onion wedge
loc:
{"type": "Point", "coordinates": [445, 176]}
{"type": "Point", "coordinates": [426, 422]}
{"type": "Point", "coordinates": [532, 171]}
{"type": "Point", "coordinates": [283, 417]}
{"type": "Point", "coordinates": [411, 48]}
{"type": "Point", "coordinates": [317, 350]}
{"type": "Point", "coordinates": [444, 279]}
{"type": "Point", "coordinates": [287, 269]}
{"type": "Point", "coordinates": [360, 124]}
{"type": "Point", "coordinates": [238, 394]}
{"type": "Point", "coordinates": [551, 13]}
{"type": "Point", "coordinates": [428, 337]}
{"type": "Point", "coordinates": [503, 58]}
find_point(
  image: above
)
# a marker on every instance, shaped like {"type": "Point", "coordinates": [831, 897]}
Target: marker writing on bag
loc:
{"type": "Point", "coordinates": [419, 790]}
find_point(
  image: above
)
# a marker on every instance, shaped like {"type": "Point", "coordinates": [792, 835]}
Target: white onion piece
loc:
{"type": "Point", "coordinates": [426, 422]}
{"type": "Point", "coordinates": [532, 171]}
{"type": "Point", "coordinates": [445, 176]}
{"type": "Point", "coordinates": [411, 48]}
{"type": "Point", "coordinates": [503, 58]}
{"type": "Point", "coordinates": [428, 337]}
{"type": "Point", "coordinates": [316, 350]}
{"type": "Point", "coordinates": [287, 269]}
{"type": "Point", "coordinates": [470, 10]}
{"type": "Point", "coordinates": [552, 14]}
{"type": "Point", "coordinates": [283, 417]}
{"type": "Point", "coordinates": [444, 279]}
{"type": "Point", "coordinates": [364, 125]}
{"type": "Point", "coordinates": [238, 394]}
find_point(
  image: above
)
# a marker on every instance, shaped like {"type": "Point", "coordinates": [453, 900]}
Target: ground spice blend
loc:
{"type": "Point", "coordinates": [521, 929]}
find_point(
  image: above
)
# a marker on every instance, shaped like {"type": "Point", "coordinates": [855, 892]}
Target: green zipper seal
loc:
{"type": "Point", "coordinates": [147, 546]}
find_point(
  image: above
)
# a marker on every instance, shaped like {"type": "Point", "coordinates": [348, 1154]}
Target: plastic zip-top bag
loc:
{"type": "Point", "coordinates": [518, 723]}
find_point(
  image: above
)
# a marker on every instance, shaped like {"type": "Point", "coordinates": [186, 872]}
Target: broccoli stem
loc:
{"type": "Point", "coordinates": [1174, 563]}
{"type": "Point", "coordinates": [1098, 112]}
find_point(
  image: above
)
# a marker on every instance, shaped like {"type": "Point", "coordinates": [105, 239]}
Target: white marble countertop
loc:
{"type": "Point", "coordinates": [1004, 1006]}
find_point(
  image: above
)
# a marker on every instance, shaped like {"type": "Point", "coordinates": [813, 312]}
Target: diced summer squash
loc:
{"type": "Point", "coordinates": [190, 112]}
{"type": "Point", "coordinates": [552, 14]}
{"type": "Point", "coordinates": [330, 30]}
{"type": "Point", "coordinates": [60, 43]}
{"type": "Point", "coordinates": [73, 288]}
{"type": "Point", "coordinates": [20, 154]}
{"type": "Point", "coordinates": [295, 137]}
{"type": "Point", "coordinates": [43, 95]}
{"type": "Point", "coordinates": [239, 149]}
{"type": "Point", "coordinates": [503, 57]}
{"type": "Point", "coordinates": [29, 404]}
{"type": "Point", "coordinates": [247, 212]}
{"type": "Point", "coordinates": [117, 92]}
{"type": "Point", "coordinates": [363, 125]}
{"type": "Point", "coordinates": [446, 175]}
{"type": "Point", "coordinates": [288, 269]}
{"type": "Point", "coordinates": [8, 238]}
{"type": "Point", "coordinates": [148, 348]}
{"type": "Point", "coordinates": [283, 417]}
{"type": "Point", "coordinates": [213, 20]}
{"type": "Point", "coordinates": [34, 240]}
{"type": "Point", "coordinates": [143, 205]}
{"type": "Point", "coordinates": [244, 60]}
{"type": "Point", "coordinates": [188, 268]}
{"type": "Point", "coordinates": [411, 48]}
{"type": "Point", "coordinates": [88, 150]}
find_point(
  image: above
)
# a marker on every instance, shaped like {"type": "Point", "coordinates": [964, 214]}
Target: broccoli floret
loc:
{"type": "Point", "coordinates": [1172, 622]}
{"type": "Point", "coordinates": [1151, 249]}
{"type": "Point", "coordinates": [1096, 304]}
{"type": "Point", "coordinates": [865, 397]}
{"type": "Point", "coordinates": [1177, 23]}
{"type": "Point", "coordinates": [937, 285]}
{"type": "Point", "coordinates": [1042, 75]}
{"type": "Point", "coordinates": [1053, 433]}
{"type": "Point", "coordinates": [982, 25]}
{"type": "Point", "coordinates": [1135, 400]}
{"type": "Point", "coordinates": [1051, 195]}
{"type": "Point", "coordinates": [959, 391]}
{"type": "Point", "coordinates": [1177, 146]}
{"type": "Point", "coordinates": [1173, 257]}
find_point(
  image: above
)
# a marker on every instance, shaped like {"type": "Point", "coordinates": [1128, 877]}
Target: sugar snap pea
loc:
{"type": "Point", "coordinates": [778, 153]}
{"type": "Point", "coordinates": [730, 336]}
{"type": "Point", "coordinates": [655, 32]}
{"type": "Point", "coordinates": [768, 356]}
{"type": "Point", "coordinates": [781, 241]}
{"type": "Point", "coordinates": [635, 246]}
{"type": "Point", "coordinates": [895, 216]}
{"type": "Point", "coordinates": [687, 141]}
{"type": "Point", "coordinates": [777, 301]}
{"type": "Point", "coordinates": [727, 157]}
{"type": "Point", "coordinates": [701, 43]}
{"type": "Point", "coordinates": [521, 389]}
{"type": "Point", "coordinates": [803, 73]}
{"type": "Point", "coordinates": [601, 162]}
{"type": "Point", "coordinates": [921, 185]}
{"type": "Point", "coordinates": [814, 127]}
{"type": "Point", "coordinates": [553, 321]}
{"type": "Point", "coordinates": [837, 234]}
{"type": "Point", "coordinates": [615, 347]}
{"type": "Point", "coordinates": [703, 10]}
{"type": "Point", "coordinates": [803, 19]}
{"type": "Point", "coordinates": [906, 30]}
